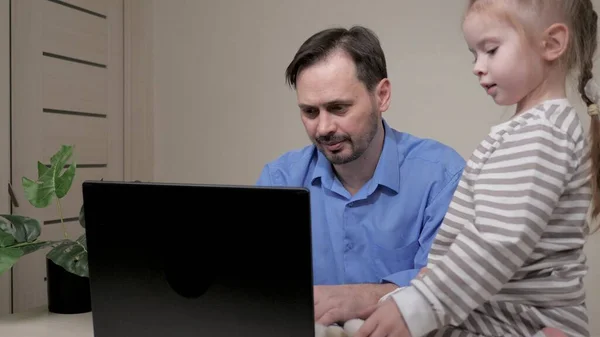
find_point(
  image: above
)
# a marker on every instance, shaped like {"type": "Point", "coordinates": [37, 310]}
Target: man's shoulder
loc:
{"type": "Point", "coordinates": [291, 167]}
{"type": "Point", "coordinates": [427, 151]}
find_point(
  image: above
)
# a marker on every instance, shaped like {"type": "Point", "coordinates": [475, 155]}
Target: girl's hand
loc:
{"type": "Point", "coordinates": [383, 320]}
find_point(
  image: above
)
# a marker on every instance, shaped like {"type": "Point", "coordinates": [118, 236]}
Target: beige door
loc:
{"type": "Point", "coordinates": [67, 88]}
{"type": "Point", "coordinates": [4, 136]}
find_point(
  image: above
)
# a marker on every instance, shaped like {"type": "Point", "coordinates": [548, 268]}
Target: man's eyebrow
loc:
{"type": "Point", "coordinates": [339, 102]}
{"type": "Point", "coordinates": [334, 102]}
{"type": "Point", "coordinates": [305, 106]}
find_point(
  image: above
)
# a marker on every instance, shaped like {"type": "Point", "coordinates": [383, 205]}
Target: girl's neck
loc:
{"type": "Point", "coordinates": [552, 87]}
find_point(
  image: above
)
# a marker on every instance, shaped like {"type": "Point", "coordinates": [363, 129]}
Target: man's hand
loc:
{"type": "Point", "coordinates": [340, 303]}
{"type": "Point", "coordinates": [383, 320]}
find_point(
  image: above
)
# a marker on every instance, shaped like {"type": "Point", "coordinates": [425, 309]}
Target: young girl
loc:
{"type": "Point", "coordinates": [508, 258]}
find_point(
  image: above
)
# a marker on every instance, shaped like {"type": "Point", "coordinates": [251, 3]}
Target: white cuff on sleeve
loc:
{"type": "Point", "coordinates": [416, 310]}
{"type": "Point", "coordinates": [386, 296]}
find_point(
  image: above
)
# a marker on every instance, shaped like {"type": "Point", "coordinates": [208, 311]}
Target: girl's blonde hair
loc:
{"type": "Point", "coordinates": [582, 21]}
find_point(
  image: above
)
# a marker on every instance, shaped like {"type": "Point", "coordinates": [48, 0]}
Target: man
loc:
{"type": "Point", "coordinates": [377, 195]}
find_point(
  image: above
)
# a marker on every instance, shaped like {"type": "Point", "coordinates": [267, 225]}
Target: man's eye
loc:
{"type": "Point", "coordinates": [337, 108]}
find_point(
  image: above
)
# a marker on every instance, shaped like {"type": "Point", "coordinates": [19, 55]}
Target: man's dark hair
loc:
{"type": "Point", "coordinates": [359, 42]}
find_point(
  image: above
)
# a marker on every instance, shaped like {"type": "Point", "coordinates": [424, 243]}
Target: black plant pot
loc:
{"type": "Point", "coordinates": [67, 293]}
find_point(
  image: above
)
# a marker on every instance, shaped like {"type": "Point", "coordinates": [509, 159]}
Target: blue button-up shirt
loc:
{"type": "Point", "coordinates": [384, 232]}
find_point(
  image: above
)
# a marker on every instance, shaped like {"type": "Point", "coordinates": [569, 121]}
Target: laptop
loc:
{"type": "Point", "coordinates": [187, 260]}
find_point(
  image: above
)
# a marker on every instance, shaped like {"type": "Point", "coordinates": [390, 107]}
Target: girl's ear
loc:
{"type": "Point", "coordinates": [555, 41]}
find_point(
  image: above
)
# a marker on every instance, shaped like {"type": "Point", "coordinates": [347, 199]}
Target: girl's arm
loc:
{"type": "Point", "coordinates": [498, 214]}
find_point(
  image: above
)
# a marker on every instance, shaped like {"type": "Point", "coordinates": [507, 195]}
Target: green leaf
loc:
{"type": "Point", "coordinates": [63, 182]}
{"type": "Point", "coordinates": [6, 239]}
{"type": "Point", "coordinates": [31, 247]}
{"type": "Point", "coordinates": [8, 257]}
{"type": "Point", "coordinates": [42, 169]}
{"type": "Point", "coordinates": [21, 228]}
{"type": "Point", "coordinates": [52, 181]}
{"type": "Point", "coordinates": [41, 192]}
{"type": "Point", "coordinates": [72, 256]}
{"type": "Point", "coordinates": [61, 157]}
{"type": "Point", "coordinates": [82, 217]}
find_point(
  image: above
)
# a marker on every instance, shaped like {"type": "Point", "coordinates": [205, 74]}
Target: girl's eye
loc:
{"type": "Point", "coordinates": [492, 51]}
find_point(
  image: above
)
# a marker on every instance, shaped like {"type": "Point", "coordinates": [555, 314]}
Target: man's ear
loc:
{"type": "Point", "coordinates": [383, 91]}
{"type": "Point", "coordinates": [555, 41]}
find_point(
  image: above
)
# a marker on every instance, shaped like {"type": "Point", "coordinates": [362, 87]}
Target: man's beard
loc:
{"type": "Point", "coordinates": [358, 146]}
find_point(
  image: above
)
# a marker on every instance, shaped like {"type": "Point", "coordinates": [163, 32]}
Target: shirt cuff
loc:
{"type": "Point", "coordinates": [416, 310]}
{"type": "Point", "coordinates": [388, 295]}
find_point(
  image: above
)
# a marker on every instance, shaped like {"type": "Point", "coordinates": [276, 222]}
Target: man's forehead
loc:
{"type": "Point", "coordinates": [329, 81]}
{"type": "Point", "coordinates": [326, 98]}
{"type": "Point", "coordinates": [328, 92]}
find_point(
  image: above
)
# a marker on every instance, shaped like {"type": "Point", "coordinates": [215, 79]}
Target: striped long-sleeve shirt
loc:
{"type": "Point", "coordinates": [508, 258]}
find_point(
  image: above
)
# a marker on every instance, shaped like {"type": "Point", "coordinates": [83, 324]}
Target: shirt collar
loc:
{"type": "Point", "coordinates": [387, 172]}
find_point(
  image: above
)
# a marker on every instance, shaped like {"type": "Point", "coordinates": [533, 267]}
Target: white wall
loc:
{"type": "Point", "coordinates": [222, 108]}
{"type": "Point", "coordinates": [220, 95]}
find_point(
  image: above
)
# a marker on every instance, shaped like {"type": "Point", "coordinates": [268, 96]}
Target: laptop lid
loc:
{"type": "Point", "coordinates": [199, 260]}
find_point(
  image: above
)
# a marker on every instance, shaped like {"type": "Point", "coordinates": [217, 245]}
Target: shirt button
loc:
{"type": "Point", "coordinates": [351, 204]}
{"type": "Point", "coordinates": [348, 246]}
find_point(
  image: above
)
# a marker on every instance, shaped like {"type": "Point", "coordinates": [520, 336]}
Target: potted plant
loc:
{"type": "Point", "coordinates": [66, 261]}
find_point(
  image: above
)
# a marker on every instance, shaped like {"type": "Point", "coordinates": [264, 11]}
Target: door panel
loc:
{"type": "Point", "coordinates": [74, 87]}
{"type": "Point", "coordinates": [73, 33]}
{"type": "Point", "coordinates": [67, 88]}
{"type": "Point", "coordinates": [88, 133]}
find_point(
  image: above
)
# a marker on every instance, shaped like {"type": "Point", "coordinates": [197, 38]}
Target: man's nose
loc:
{"type": "Point", "coordinates": [326, 124]}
